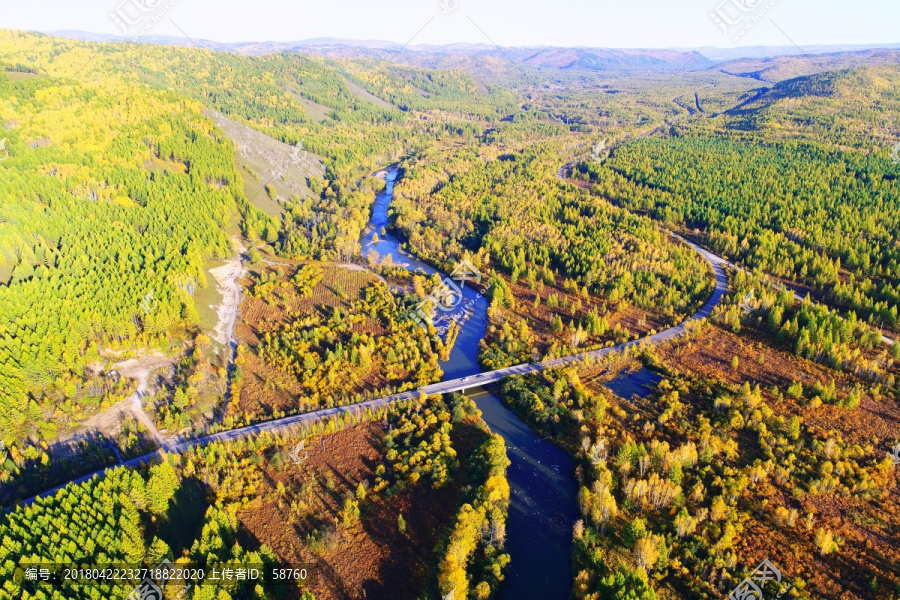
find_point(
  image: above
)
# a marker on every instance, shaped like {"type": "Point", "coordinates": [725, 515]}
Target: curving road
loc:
{"type": "Point", "coordinates": [561, 174]}
{"type": "Point", "coordinates": [453, 385]}
{"type": "Point", "coordinates": [717, 263]}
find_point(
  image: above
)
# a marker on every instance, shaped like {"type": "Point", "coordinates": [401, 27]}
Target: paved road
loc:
{"type": "Point", "coordinates": [444, 387]}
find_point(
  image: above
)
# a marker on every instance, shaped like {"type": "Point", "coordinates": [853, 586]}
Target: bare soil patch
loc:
{"type": "Point", "coordinates": [264, 161]}
{"type": "Point", "coordinates": [370, 558]}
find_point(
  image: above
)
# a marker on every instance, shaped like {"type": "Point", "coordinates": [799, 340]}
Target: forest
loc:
{"type": "Point", "coordinates": [564, 267]}
{"type": "Point", "coordinates": [766, 434]}
{"type": "Point", "coordinates": [102, 253]}
{"type": "Point", "coordinates": [316, 336]}
{"type": "Point", "coordinates": [683, 492]}
{"type": "Point", "coordinates": [780, 191]}
{"type": "Point", "coordinates": [129, 174]}
{"type": "Point", "coordinates": [200, 509]}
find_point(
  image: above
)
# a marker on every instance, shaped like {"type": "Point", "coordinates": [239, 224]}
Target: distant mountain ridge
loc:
{"type": "Point", "coordinates": [763, 52]}
{"type": "Point", "coordinates": [766, 63]}
{"type": "Point", "coordinates": [780, 68]}
{"type": "Point", "coordinates": [443, 56]}
{"type": "Point", "coordinates": [332, 44]}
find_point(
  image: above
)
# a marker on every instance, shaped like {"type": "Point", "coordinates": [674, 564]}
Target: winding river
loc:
{"type": "Point", "coordinates": [543, 504]}
{"type": "Point", "coordinates": [543, 493]}
{"type": "Point", "coordinates": [464, 357]}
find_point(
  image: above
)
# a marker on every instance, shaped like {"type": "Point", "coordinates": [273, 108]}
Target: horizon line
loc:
{"type": "Point", "coordinates": [350, 41]}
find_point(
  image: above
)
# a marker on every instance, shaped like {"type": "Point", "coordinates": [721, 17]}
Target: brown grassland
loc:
{"type": "Point", "coordinates": [265, 390]}
{"type": "Point", "coordinates": [367, 351]}
{"type": "Point", "coordinates": [709, 356]}
{"type": "Point", "coordinates": [624, 321]}
{"type": "Point", "coordinates": [865, 526]}
{"type": "Point", "coordinates": [297, 512]}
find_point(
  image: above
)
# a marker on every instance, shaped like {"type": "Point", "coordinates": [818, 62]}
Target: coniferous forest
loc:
{"type": "Point", "coordinates": [414, 322]}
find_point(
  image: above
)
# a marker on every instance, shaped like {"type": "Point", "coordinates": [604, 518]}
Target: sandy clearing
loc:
{"type": "Point", "coordinates": [227, 283]}
{"type": "Point", "coordinates": [274, 161]}
{"type": "Point", "coordinates": [228, 278]}
{"type": "Point", "coordinates": [109, 421]}
{"type": "Point", "coordinates": [140, 369]}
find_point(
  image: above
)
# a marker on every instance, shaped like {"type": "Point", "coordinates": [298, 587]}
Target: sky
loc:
{"type": "Point", "coordinates": [595, 23]}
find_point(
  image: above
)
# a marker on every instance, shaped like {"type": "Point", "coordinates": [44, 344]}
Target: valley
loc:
{"type": "Point", "coordinates": [327, 309]}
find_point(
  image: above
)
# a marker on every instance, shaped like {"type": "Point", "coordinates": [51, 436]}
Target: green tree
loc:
{"type": "Point", "coordinates": [161, 487]}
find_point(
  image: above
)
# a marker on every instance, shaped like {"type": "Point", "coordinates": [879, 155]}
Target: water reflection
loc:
{"type": "Point", "coordinates": [637, 383]}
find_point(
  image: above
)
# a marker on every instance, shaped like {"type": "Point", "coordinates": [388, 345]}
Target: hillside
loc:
{"type": "Point", "coordinates": [798, 183]}
{"type": "Point", "coordinates": [838, 107]}
{"type": "Point", "coordinates": [780, 68]}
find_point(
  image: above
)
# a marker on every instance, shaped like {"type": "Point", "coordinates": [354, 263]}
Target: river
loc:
{"type": "Point", "coordinates": [543, 493]}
